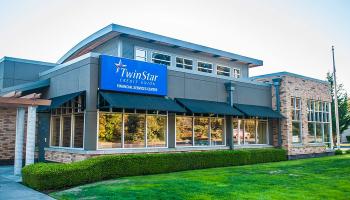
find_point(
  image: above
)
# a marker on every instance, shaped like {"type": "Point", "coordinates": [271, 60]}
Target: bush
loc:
{"type": "Point", "coordinates": [53, 176]}
{"type": "Point", "coordinates": [347, 151]}
{"type": "Point", "coordinates": [338, 152]}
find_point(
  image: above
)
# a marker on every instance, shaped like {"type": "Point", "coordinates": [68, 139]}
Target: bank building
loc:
{"type": "Point", "coordinates": [123, 90]}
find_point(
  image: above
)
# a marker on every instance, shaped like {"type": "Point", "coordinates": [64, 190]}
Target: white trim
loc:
{"type": "Point", "coordinates": [161, 53]}
{"type": "Point", "coordinates": [204, 62]}
{"type": "Point", "coordinates": [229, 72]}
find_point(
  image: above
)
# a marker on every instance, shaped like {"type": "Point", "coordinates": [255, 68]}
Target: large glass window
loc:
{"type": "Point", "coordinates": [205, 67]}
{"type": "Point", "coordinates": [156, 130]}
{"type": "Point", "coordinates": [110, 130]}
{"type": "Point", "coordinates": [249, 131]}
{"type": "Point", "coordinates": [318, 121]}
{"type": "Point", "coordinates": [223, 70]}
{"type": "Point", "coordinates": [184, 63]}
{"type": "Point", "coordinates": [184, 131]}
{"type": "Point", "coordinates": [141, 54]}
{"type": "Point", "coordinates": [55, 131]}
{"type": "Point", "coordinates": [67, 124]}
{"type": "Point", "coordinates": [66, 132]}
{"type": "Point", "coordinates": [262, 137]}
{"type": "Point", "coordinates": [78, 131]}
{"type": "Point", "coordinates": [134, 130]}
{"type": "Point", "coordinates": [217, 133]}
{"type": "Point", "coordinates": [201, 131]}
{"type": "Point", "coordinates": [161, 58]}
{"type": "Point", "coordinates": [296, 119]}
{"type": "Point", "coordinates": [236, 131]}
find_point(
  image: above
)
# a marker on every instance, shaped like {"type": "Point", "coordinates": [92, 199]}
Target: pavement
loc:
{"type": "Point", "coordinates": [12, 189]}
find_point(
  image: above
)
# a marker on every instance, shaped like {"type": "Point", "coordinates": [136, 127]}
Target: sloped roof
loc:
{"type": "Point", "coordinates": [114, 30]}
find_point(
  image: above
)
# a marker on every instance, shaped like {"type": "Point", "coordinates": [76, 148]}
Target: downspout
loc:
{"type": "Point", "coordinates": [229, 89]}
{"type": "Point", "coordinates": [276, 84]}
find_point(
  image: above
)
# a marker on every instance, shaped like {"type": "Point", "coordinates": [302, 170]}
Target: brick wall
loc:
{"type": "Point", "coordinates": [305, 89]}
{"type": "Point", "coordinates": [8, 135]}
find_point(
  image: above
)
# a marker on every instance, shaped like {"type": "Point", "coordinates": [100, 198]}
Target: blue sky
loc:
{"type": "Point", "coordinates": [294, 36]}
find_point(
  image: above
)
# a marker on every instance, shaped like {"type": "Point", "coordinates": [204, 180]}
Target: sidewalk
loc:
{"type": "Point", "coordinates": [11, 189]}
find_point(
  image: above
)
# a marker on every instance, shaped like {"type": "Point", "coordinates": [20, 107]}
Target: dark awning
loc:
{"type": "Point", "coordinates": [142, 102]}
{"type": "Point", "coordinates": [58, 101]}
{"type": "Point", "coordinates": [208, 107]}
{"type": "Point", "coordinates": [257, 111]}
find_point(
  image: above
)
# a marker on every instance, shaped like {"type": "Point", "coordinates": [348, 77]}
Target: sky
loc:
{"type": "Point", "coordinates": [289, 35]}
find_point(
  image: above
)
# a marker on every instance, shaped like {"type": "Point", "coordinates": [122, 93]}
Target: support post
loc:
{"type": "Point", "coordinates": [19, 140]}
{"type": "Point", "coordinates": [229, 129]}
{"type": "Point", "coordinates": [276, 84]}
{"type": "Point", "coordinates": [30, 144]}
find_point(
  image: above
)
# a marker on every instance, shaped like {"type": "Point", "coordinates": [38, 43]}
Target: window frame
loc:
{"type": "Point", "coordinates": [217, 70]}
{"type": "Point", "coordinates": [183, 64]}
{"type": "Point", "coordinates": [236, 75]}
{"type": "Point", "coordinates": [140, 49]}
{"type": "Point", "coordinates": [299, 118]}
{"type": "Point", "coordinates": [323, 117]}
{"type": "Point", "coordinates": [145, 113]}
{"type": "Point", "coordinates": [198, 67]}
{"type": "Point", "coordinates": [162, 53]}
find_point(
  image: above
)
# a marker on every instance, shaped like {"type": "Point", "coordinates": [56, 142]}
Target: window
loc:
{"type": "Point", "coordinates": [184, 63]}
{"type": "Point", "coordinates": [110, 130]}
{"type": "Point", "coordinates": [236, 73]}
{"type": "Point", "coordinates": [156, 130]}
{"type": "Point", "coordinates": [55, 131]}
{"type": "Point", "coordinates": [130, 129]}
{"type": "Point", "coordinates": [67, 124]}
{"type": "Point", "coordinates": [296, 119]}
{"type": "Point", "coordinates": [141, 54]}
{"type": "Point", "coordinates": [222, 70]}
{"type": "Point", "coordinates": [250, 131]}
{"type": "Point", "coordinates": [184, 131]}
{"type": "Point", "coordinates": [201, 131]}
{"type": "Point", "coordinates": [134, 130]}
{"type": "Point", "coordinates": [205, 67]}
{"type": "Point", "coordinates": [217, 133]}
{"type": "Point", "coordinates": [161, 58]}
{"type": "Point", "coordinates": [318, 122]}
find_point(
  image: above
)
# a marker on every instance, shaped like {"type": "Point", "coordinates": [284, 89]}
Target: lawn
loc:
{"type": "Point", "coordinates": [317, 178]}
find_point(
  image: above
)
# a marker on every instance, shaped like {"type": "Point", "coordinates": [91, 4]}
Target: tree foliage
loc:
{"type": "Point", "coordinates": [344, 116]}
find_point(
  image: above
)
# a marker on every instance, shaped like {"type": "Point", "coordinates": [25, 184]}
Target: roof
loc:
{"type": "Point", "coordinates": [208, 107]}
{"type": "Point", "coordinates": [279, 74]}
{"type": "Point", "coordinates": [28, 86]}
{"type": "Point", "coordinates": [114, 30]}
{"type": "Point", "coordinates": [257, 111]}
{"type": "Point", "coordinates": [5, 58]}
{"type": "Point", "coordinates": [142, 102]}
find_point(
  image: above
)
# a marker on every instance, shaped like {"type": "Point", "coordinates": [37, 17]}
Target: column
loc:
{"type": "Point", "coordinates": [276, 84]}
{"type": "Point", "coordinates": [330, 125]}
{"type": "Point", "coordinates": [229, 129]}
{"type": "Point", "coordinates": [19, 140]}
{"type": "Point", "coordinates": [30, 144]}
{"type": "Point", "coordinates": [171, 130]}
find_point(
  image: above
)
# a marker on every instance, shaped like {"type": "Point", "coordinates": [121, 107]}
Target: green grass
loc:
{"type": "Point", "coordinates": [318, 178]}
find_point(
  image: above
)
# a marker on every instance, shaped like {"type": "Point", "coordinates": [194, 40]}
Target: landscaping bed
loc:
{"type": "Point", "coordinates": [54, 176]}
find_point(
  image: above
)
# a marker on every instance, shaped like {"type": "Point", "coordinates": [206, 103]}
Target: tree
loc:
{"type": "Point", "coordinates": [344, 116]}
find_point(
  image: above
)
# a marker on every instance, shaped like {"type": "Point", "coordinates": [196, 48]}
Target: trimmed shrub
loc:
{"type": "Point", "coordinates": [338, 152]}
{"type": "Point", "coordinates": [348, 138]}
{"type": "Point", "coordinates": [53, 176]}
{"type": "Point", "coordinates": [347, 151]}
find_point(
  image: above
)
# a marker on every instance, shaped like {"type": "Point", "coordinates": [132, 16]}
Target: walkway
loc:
{"type": "Point", "coordinates": [11, 189]}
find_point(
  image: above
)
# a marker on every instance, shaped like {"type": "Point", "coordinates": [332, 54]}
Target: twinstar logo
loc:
{"type": "Point", "coordinates": [143, 76]}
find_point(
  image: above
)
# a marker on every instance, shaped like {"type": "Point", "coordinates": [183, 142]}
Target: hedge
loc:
{"type": "Point", "coordinates": [54, 176]}
{"type": "Point", "coordinates": [348, 138]}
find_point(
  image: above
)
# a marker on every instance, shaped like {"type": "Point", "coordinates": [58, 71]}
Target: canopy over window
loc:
{"type": "Point", "coordinates": [208, 107]}
{"type": "Point", "coordinates": [257, 111]}
{"type": "Point", "coordinates": [56, 102]}
{"type": "Point", "coordinates": [140, 102]}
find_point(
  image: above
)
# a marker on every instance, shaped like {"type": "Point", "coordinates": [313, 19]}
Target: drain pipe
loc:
{"type": "Point", "coordinates": [276, 84]}
{"type": "Point", "coordinates": [229, 129]}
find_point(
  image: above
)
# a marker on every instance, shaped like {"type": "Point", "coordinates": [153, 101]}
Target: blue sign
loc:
{"type": "Point", "coordinates": [126, 75]}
